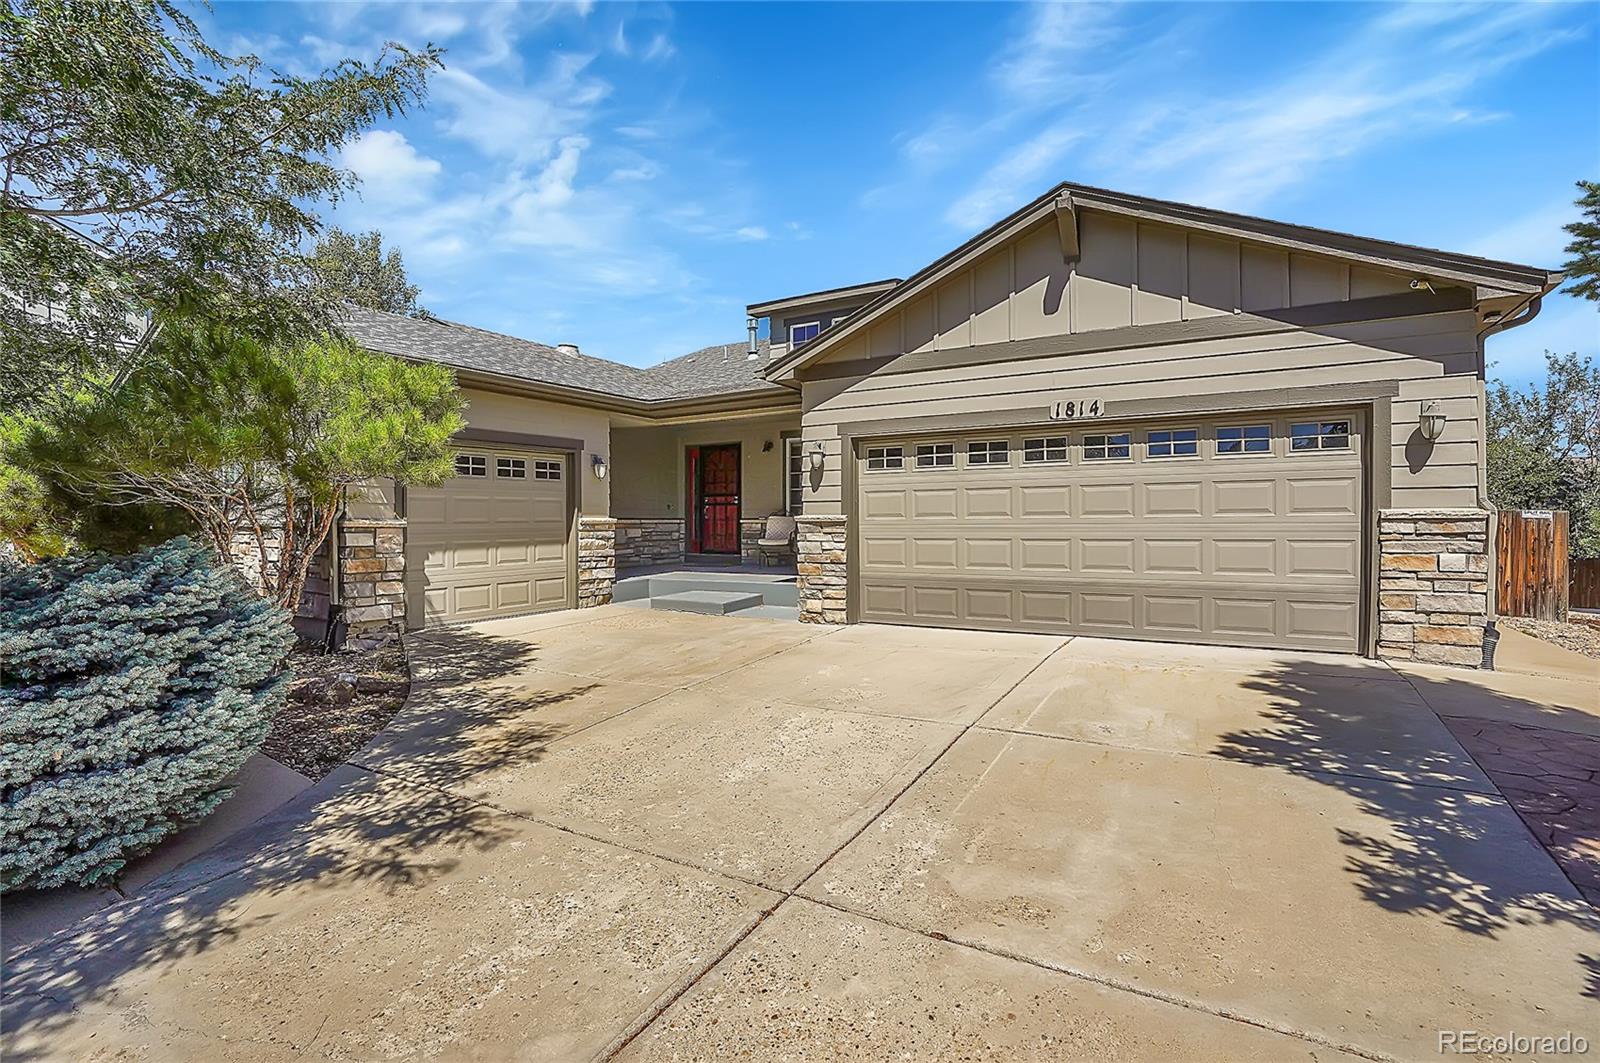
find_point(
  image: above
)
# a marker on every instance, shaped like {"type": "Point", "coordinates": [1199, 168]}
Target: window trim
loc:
{"type": "Point", "coordinates": [934, 452]}
{"type": "Point", "coordinates": [1320, 437]}
{"type": "Point", "coordinates": [471, 466]}
{"type": "Point", "coordinates": [989, 453]}
{"type": "Point", "coordinates": [1172, 455]}
{"type": "Point", "coordinates": [1127, 435]}
{"type": "Point", "coordinates": [1244, 450]}
{"type": "Point", "coordinates": [504, 462]}
{"type": "Point", "coordinates": [544, 467]}
{"type": "Point", "coordinates": [1044, 448]}
{"type": "Point", "coordinates": [804, 324]}
{"type": "Point", "coordinates": [899, 458]}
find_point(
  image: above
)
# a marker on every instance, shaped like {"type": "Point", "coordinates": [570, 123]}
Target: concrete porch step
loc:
{"type": "Point", "coordinates": [717, 603]}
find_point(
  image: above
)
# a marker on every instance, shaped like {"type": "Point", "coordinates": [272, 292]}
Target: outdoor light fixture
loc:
{"type": "Point", "coordinates": [598, 463]}
{"type": "Point", "coordinates": [1432, 420]}
{"type": "Point", "coordinates": [815, 456]}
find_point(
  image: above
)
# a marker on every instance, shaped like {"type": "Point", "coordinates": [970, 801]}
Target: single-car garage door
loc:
{"type": "Point", "coordinates": [1237, 531]}
{"type": "Point", "coordinates": [493, 540]}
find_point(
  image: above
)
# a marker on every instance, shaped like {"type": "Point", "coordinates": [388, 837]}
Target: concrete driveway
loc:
{"type": "Point", "coordinates": [626, 834]}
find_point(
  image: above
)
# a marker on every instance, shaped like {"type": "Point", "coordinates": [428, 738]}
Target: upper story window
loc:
{"type": "Point", "coordinates": [880, 459]}
{"type": "Point", "coordinates": [472, 465]}
{"type": "Point", "coordinates": [1245, 439]}
{"type": "Point", "coordinates": [1320, 435]}
{"type": "Point", "coordinates": [1173, 443]}
{"type": "Point", "coordinates": [1049, 448]}
{"type": "Point", "coordinates": [992, 452]}
{"type": "Point", "coordinates": [936, 455]}
{"type": "Point", "coordinates": [511, 468]}
{"type": "Point", "coordinates": [1106, 447]}
{"type": "Point", "coordinates": [804, 332]}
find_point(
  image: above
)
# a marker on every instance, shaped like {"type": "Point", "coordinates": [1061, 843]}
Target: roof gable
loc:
{"type": "Point", "coordinates": [1092, 237]}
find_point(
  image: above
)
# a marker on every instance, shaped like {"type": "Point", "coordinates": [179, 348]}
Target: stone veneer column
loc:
{"type": "Point", "coordinates": [1433, 595]}
{"type": "Point", "coordinates": [820, 548]}
{"type": "Point", "coordinates": [372, 572]}
{"type": "Point", "coordinates": [597, 560]}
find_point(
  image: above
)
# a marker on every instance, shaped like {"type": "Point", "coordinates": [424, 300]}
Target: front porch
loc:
{"type": "Point", "coordinates": [695, 496]}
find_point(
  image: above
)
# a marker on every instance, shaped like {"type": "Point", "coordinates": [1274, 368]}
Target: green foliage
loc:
{"type": "Point", "coordinates": [1583, 269]}
{"type": "Point", "coordinates": [143, 174]}
{"type": "Point", "coordinates": [1544, 447]}
{"type": "Point", "coordinates": [356, 270]}
{"type": "Point", "coordinates": [133, 689]}
{"type": "Point", "coordinates": [253, 443]}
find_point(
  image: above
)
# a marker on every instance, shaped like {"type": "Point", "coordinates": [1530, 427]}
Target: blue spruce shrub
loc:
{"type": "Point", "coordinates": [131, 690]}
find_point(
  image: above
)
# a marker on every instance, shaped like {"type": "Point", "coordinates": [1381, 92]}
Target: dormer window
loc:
{"type": "Point", "coordinates": [804, 332]}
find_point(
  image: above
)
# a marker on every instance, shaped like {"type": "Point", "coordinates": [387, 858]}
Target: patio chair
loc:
{"type": "Point", "coordinates": [778, 539]}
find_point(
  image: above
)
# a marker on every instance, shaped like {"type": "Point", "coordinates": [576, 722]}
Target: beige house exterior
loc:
{"type": "Point", "coordinates": [1104, 415]}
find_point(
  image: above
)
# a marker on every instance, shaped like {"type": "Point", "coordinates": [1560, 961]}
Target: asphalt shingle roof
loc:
{"type": "Point", "coordinates": [723, 368]}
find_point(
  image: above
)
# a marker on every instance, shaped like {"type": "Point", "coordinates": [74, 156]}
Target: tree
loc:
{"type": "Point", "coordinates": [1544, 447]}
{"type": "Point", "coordinates": [257, 445]}
{"type": "Point", "coordinates": [356, 270]}
{"type": "Point", "coordinates": [146, 176]}
{"type": "Point", "coordinates": [1583, 269]}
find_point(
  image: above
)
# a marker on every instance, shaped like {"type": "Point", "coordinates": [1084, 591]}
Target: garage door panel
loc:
{"type": "Point", "coordinates": [480, 546]}
{"type": "Point", "coordinates": [1264, 548]}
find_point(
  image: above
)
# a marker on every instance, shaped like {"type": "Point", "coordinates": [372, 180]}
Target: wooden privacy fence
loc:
{"type": "Point", "coordinates": [1531, 564]}
{"type": "Point", "coordinates": [1585, 583]}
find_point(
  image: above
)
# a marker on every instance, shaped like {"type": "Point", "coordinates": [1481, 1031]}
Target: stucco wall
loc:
{"type": "Point", "coordinates": [650, 466]}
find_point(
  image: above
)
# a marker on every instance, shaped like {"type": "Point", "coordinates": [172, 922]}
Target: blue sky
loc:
{"type": "Point", "coordinates": [627, 177]}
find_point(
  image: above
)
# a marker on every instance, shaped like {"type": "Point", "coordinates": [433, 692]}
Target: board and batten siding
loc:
{"type": "Point", "coordinates": [1133, 274]}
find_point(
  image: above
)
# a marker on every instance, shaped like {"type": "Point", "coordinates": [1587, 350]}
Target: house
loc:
{"type": "Point", "coordinates": [1104, 415]}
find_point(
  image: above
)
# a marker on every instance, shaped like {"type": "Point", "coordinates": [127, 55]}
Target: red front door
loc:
{"type": "Point", "coordinates": [717, 499]}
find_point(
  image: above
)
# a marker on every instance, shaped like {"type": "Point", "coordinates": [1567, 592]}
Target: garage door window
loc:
{"type": "Point", "coordinates": [511, 468]}
{"type": "Point", "coordinates": [882, 459]}
{"type": "Point", "coordinates": [1050, 448]}
{"type": "Point", "coordinates": [547, 470]}
{"type": "Point", "coordinates": [1108, 447]}
{"type": "Point", "coordinates": [996, 452]}
{"type": "Point", "coordinates": [936, 455]}
{"type": "Point", "coordinates": [1319, 435]}
{"type": "Point", "coordinates": [1245, 439]}
{"type": "Point", "coordinates": [1173, 443]}
{"type": "Point", "coordinates": [472, 465]}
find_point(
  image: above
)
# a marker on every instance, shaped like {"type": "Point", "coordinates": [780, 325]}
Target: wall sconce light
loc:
{"type": "Point", "coordinates": [598, 464]}
{"type": "Point", "coordinates": [766, 446]}
{"type": "Point", "coordinates": [815, 456]}
{"type": "Point", "coordinates": [1432, 423]}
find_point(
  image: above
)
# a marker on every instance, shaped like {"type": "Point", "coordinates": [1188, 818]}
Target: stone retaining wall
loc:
{"type": "Point", "coordinates": [824, 583]}
{"type": "Point", "coordinates": [1433, 595]}
{"type": "Point", "coordinates": [597, 560]}
{"type": "Point", "coordinates": [649, 540]}
{"type": "Point", "coordinates": [372, 572]}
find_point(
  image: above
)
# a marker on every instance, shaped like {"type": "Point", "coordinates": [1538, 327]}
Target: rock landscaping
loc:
{"type": "Point", "coordinates": [337, 702]}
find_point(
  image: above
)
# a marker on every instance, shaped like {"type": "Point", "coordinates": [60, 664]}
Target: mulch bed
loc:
{"type": "Point", "coordinates": [1580, 638]}
{"type": "Point", "coordinates": [336, 703]}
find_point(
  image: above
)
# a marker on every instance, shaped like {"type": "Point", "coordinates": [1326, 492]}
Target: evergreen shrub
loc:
{"type": "Point", "coordinates": [131, 690]}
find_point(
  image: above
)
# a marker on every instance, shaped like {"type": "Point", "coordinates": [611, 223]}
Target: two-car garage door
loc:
{"type": "Point", "coordinates": [493, 540]}
{"type": "Point", "coordinates": [1241, 531]}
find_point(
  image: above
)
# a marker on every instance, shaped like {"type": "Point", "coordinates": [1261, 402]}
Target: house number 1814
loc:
{"type": "Point", "coordinates": [1074, 409]}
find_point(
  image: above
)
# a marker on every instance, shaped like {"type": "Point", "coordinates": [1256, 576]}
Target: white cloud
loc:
{"type": "Point", "coordinates": [1046, 57]}
{"type": "Point", "coordinates": [997, 192]}
{"type": "Point", "coordinates": [1535, 238]}
{"type": "Point", "coordinates": [391, 170]}
{"type": "Point", "coordinates": [750, 232]}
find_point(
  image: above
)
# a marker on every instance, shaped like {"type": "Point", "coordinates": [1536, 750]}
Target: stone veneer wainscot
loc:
{"type": "Point", "coordinates": [372, 573]}
{"type": "Point", "coordinates": [597, 560]}
{"type": "Point", "coordinates": [821, 552]}
{"type": "Point", "coordinates": [1433, 596]}
{"type": "Point", "coordinates": [649, 540]}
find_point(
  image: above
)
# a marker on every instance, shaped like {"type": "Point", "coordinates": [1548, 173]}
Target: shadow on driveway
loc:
{"type": "Point", "coordinates": [1442, 861]}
